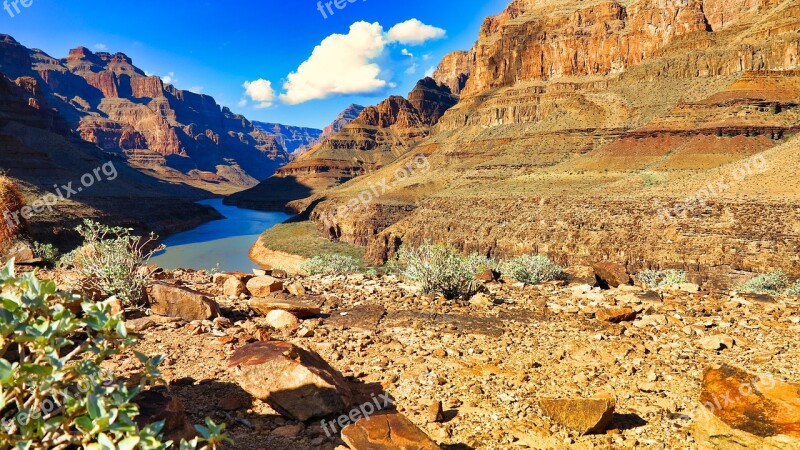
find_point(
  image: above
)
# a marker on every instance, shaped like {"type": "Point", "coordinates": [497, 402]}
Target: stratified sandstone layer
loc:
{"type": "Point", "coordinates": [377, 137]}
{"type": "Point", "coordinates": [581, 123]}
{"type": "Point", "coordinates": [174, 134]}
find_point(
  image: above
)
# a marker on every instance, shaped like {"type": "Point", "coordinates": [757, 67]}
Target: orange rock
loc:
{"type": "Point", "coordinates": [584, 415]}
{"type": "Point", "coordinates": [743, 410]}
{"type": "Point", "coordinates": [389, 431]}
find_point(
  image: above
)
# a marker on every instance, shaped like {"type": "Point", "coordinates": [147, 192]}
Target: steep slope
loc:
{"type": "Point", "coordinates": [581, 121]}
{"type": "Point", "coordinates": [65, 179]}
{"type": "Point", "coordinates": [378, 136]}
{"type": "Point", "coordinates": [170, 133]}
{"type": "Point", "coordinates": [345, 117]}
{"type": "Point", "coordinates": [290, 137]}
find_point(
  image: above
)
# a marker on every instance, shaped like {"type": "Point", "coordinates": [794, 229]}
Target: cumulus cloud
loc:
{"type": "Point", "coordinates": [169, 78]}
{"type": "Point", "coordinates": [414, 32]}
{"type": "Point", "coordinates": [261, 92]}
{"type": "Point", "coordinates": [341, 64]}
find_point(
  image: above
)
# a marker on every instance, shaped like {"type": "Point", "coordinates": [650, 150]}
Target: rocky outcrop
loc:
{"type": "Point", "coordinates": [377, 137]}
{"type": "Point", "coordinates": [593, 132]}
{"type": "Point", "coordinates": [342, 120]}
{"type": "Point", "coordinates": [113, 104]}
{"type": "Point", "coordinates": [293, 139]}
{"type": "Point", "coordinates": [454, 70]}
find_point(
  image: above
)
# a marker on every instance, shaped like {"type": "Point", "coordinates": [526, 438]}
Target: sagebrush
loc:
{"type": "Point", "coordinates": [54, 393]}
{"type": "Point", "coordinates": [110, 259]}
{"type": "Point", "coordinates": [533, 269]}
{"type": "Point", "coordinates": [768, 283]}
{"type": "Point", "coordinates": [331, 264]}
{"type": "Point", "coordinates": [659, 278]}
{"type": "Point", "coordinates": [440, 269]}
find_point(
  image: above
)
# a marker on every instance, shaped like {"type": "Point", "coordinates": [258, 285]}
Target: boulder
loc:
{"type": "Point", "coordinates": [481, 300]}
{"type": "Point", "coordinates": [716, 342]}
{"type": "Point", "coordinates": [176, 301]}
{"type": "Point", "coordinates": [233, 287]}
{"type": "Point", "coordinates": [264, 286]}
{"type": "Point", "coordinates": [282, 320]}
{"type": "Point", "coordinates": [584, 415]}
{"type": "Point", "coordinates": [299, 308]}
{"type": "Point", "coordinates": [295, 382]}
{"type": "Point", "coordinates": [615, 315]}
{"type": "Point", "coordinates": [386, 431]}
{"type": "Point", "coordinates": [487, 276]}
{"type": "Point", "coordinates": [296, 288]}
{"type": "Point", "coordinates": [610, 274]}
{"type": "Point", "coordinates": [744, 410]}
{"type": "Point", "coordinates": [155, 406]}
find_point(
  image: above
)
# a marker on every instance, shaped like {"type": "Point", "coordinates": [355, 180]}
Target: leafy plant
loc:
{"type": "Point", "coordinates": [45, 251]}
{"type": "Point", "coordinates": [439, 269]}
{"type": "Point", "coordinates": [767, 283]}
{"type": "Point", "coordinates": [530, 269]}
{"type": "Point", "coordinates": [331, 264]}
{"type": "Point", "coordinates": [659, 278]}
{"type": "Point", "coordinates": [794, 289]}
{"type": "Point", "coordinates": [53, 392]}
{"type": "Point", "coordinates": [110, 258]}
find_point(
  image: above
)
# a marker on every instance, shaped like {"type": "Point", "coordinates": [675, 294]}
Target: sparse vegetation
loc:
{"type": "Point", "coordinates": [109, 261]}
{"type": "Point", "coordinates": [302, 238]}
{"type": "Point", "coordinates": [331, 265]}
{"type": "Point", "coordinates": [768, 283]}
{"type": "Point", "coordinates": [440, 269]}
{"type": "Point", "coordinates": [794, 289]}
{"type": "Point", "coordinates": [530, 269]}
{"type": "Point", "coordinates": [47, 252]}
{"type": "Point", "coordinates": [650, 178]}
{"type": "Point", "coordinates": [54, 394]}
{"type": "Point", "coordinates": [659, 278]}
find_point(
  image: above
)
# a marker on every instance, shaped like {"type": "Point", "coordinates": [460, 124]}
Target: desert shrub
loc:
{"type": "Point", "coordinates": [767, 283]}
{"type": "Point", "coordinates": [53, 392]}
{"type": "Point", "coordinates": [530, 269]}
{"type": "Point", "coordinates": [794, 289]}
{"type": "Point", "coordinates": [331, 264]}
{"type": "Point", "coordinates": [659, 278]}
{"type": "Point", "coordinates": [47, 252]}
{"type": "Point", "coordinates": [110, 258]}
{"type": "Point", "coordinates": [439, 269]}
{"type": "Point", "coordinates": [653, 178]}
{"type": "Point", "coordinates": [479, 263]}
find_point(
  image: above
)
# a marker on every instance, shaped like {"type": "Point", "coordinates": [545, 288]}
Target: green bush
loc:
{"type": "Point", "coordinates": [530, 269]}
{"type": "Point", "coordinates": [793, 289]}
{"type": "Point", "coordinates": [45, 251]}
{"type": "Point", "coordinates": [53, 392]}
{"type": "Point", "coordinates": [110, 259]}
{"type": "Point", "coordinates": [440, 269]}
{"type": "Point", "coordinates": [659, 278]}
{"type": "Point", "coordinates": [331, 264]}
{"type": "Point", "coordinates": [768, 283]}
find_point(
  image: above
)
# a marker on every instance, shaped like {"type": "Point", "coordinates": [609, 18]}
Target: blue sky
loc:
{"type": "Point", "coordinates": [218, 46]}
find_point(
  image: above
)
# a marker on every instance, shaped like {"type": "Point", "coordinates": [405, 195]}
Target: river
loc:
{"type": "Point", "coordinates": [224, 242]}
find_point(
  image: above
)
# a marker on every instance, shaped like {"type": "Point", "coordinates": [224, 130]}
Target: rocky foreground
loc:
{"type": "Point", "coordinates": [560, 365]}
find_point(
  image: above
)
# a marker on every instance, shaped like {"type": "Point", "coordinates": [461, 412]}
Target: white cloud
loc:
{"type": "Point", "coordinates": [414, 32]}
{"type": "Point", "coordinates": [261, 92]}
{"type": "Point", "coordinates": [196, 89]}
{"type": "Point", "coordinates": [100, 47]}
{"type": "Point", "coordinates": [341, 64]}
{"type": "Point", "coordinates": [243, 103]}
{"type": "Point", "coordinates": [412, 69]}
{"type": "Point", "coordinates": [430, 71]}
{"type": "Point", "coordinates": [405, 52]}
{"type": "Point", "coordinates": [169, 78]}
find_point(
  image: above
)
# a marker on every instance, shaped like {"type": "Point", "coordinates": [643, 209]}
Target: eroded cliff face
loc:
{"type": "Point", "coordinates": [113, 104]}
{"type": "Point", "coordinates": [377, 137]}
{"type": "Point", "coordinates": [581, 121]}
